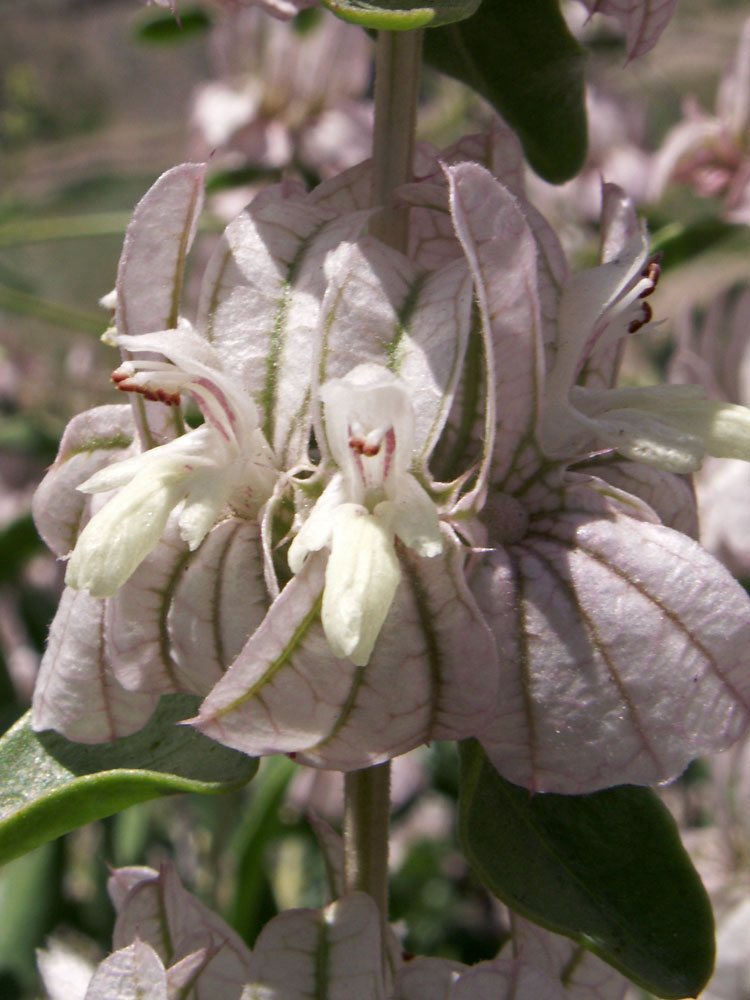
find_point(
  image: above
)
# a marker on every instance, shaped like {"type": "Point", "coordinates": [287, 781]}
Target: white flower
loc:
{"type": "Point", "coordinates": [371, 501]}
{"type": "Point", "coordinates": [224, 463]}
{"type": "Point", "coordinates": [671, 427]}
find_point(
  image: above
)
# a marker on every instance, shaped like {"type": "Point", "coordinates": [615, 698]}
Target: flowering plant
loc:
{"type": "Point", "coordinates": [380, 489]}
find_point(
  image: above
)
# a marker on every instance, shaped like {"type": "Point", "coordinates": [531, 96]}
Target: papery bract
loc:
{"type": "Point", "coordinates": [265, 277]}
{"type": "Point", "coordinates": [534, 963]}
{"type": "Point", "coordinates": [642, 20]}
{"type": "Point", "coordinates": [583, 702]}
{"type": "Point", "coordinates": [153, 907]}
{"type": "Point", "coordinates": [131, 973]}
{"type": "Point", "coordinates": [408, 331]}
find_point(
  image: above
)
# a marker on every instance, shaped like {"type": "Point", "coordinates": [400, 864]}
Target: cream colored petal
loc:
{"type": "Point", "coordinates": [121, 535]}
{"type": "Point", "coordinates": [361, 579]}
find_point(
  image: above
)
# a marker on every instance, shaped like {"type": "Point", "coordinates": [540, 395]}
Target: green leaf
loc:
{"type": "Point", "coordinates": [49, 785]}
{"type": "Point", "coordinates": [520, 56]}
{"type": "Point", "coordinates": [680, 242]}
{"type": "Point", "coordinates": [29, 889]}
{"type": "Point", "coordinates": [227, 180]}
{"type": "Point", "coordinates": [164, 28]}
{"type": "Point", "coordinates": [19, 541]}
{"type": "Point", "coordinates": [251, 905]}
{"type": "Point", "coordinates": [400, 15]}
{"type": "Point", "coordinates": [606, 869]}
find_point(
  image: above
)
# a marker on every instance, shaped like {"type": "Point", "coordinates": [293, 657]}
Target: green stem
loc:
{"type": "Point", "coordinates": [366, 829]}
{"type": "Point", "coordinates": [397, 68]}
{"type": "Point", "coordinates": [398, 60]}
{"type": "Point", "coordinates": [25, 231]}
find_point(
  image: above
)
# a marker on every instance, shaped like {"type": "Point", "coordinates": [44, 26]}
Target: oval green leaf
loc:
{"type": "Point", "coordinates": [164, 28]}
{"type": "Point", "coordinates": [520, 56]}
{"type": "Point", "coordinates": [49, 785]}
{"type": "Point", "coordinates": [398, 15]}
{"type": "Point", "coordinates": [606, 869]}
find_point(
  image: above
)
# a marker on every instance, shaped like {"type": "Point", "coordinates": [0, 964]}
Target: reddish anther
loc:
{"type": "Point", "coordinates": [121, 380]}
{"type": "Point", "coordinates": [362, 447]}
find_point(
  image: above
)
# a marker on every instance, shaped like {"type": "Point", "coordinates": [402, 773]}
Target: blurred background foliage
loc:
{"type": "Point", "coordinates": [94, 100]}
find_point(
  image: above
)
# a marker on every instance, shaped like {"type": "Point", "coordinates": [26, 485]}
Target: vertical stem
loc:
{"type": "Point", "coordinates": [397, 68]}
{"type": "Point", "coordinates": [366, 829]}
{"type": "Point", "coordinates": [398, 60]}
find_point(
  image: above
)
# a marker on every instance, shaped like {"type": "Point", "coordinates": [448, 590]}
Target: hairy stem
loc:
{"type": "Point", "coordinates": [366, 829]}
{"type": "Point", "coordinates": [398, 60]}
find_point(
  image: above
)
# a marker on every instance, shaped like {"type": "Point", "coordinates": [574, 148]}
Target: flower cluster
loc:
{"type": "Point", "coordinates": [416, 507]}
{"type": "Point", "coordinates": [166, 943]}
{"type": "Point", "coordinates": [711, 153]}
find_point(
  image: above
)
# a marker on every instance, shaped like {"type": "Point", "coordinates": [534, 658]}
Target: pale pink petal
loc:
{"type": "Point", "coordinates": [552, 273]}
{"type": "Point", "coordinates": [723, 491]}
{"type": "Point", "coordinates": [91, 441]}
{"type": "Point", "coordinates": [585, 976]}
{"type": "Point", "coordinates": [150, 274]}
{"type": "Point", "coordinates": [624, 651]}
{"type": "Point", "coordinates": [177, 925]}
{"type": "Point", "coordinates": [266, 278]}
{"type": "Point", "coordinates": [502, 256]}
{"type": "Point", "coordinates": [682, 140]}
{"type": "Point", "coordinates": [182, 617]}
{"type": "Point", "coordinates": [620, 230]}
{"type": "Point", "coordinates": [157, 240]}
{"type": "Point", "coordinates": [131, 973]}
{"type": "Point", "coordinates": [733, 99]}
{"type": "Point", "coordinates": [76, 692]}
{"type": "Point", "coordinates": [508, 980]}
{"type": "Point", "coordinates": [285, 688]}
{"type": "Point", "coordinates": [432, 238]}
{"type": "Point", "coordinates": [619, 223]}
{"type": "Point", "coordinates": [642, 20]}
{"type": "Point", "coordinates": [122, 880]}
{"type": "Point", "coordinates": [431, 674]}
{"type": "Point", "coordinates": [347, 192]}
{"type": "Point", "coordinates": [220, 600]}
{"type": "Point", "coordinates": [335, 952]}
{"type": "Point", "coordinates": [65, 972]}
{"type": "Point", "coordinates": [416, 326]}
{"type": "Point", "coordinates": [671, 497]}
{"type": "Point", "coordinates": [183, 974]}
{"type": "Point", "coordinates": [428, 979]}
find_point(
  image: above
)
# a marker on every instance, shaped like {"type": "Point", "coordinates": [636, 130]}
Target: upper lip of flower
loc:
{"type": "Point", "coordinates": [226, 461]}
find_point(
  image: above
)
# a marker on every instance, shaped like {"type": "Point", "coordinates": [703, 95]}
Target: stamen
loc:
{"type": "Point", "coordinates": [366, 444]}
{"type": "Point", "coordinates": [651, 272]}
{"type": "Point", "coordinates": [123, 381]}
{"type": "Point", "coordinates": [636, 324]}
